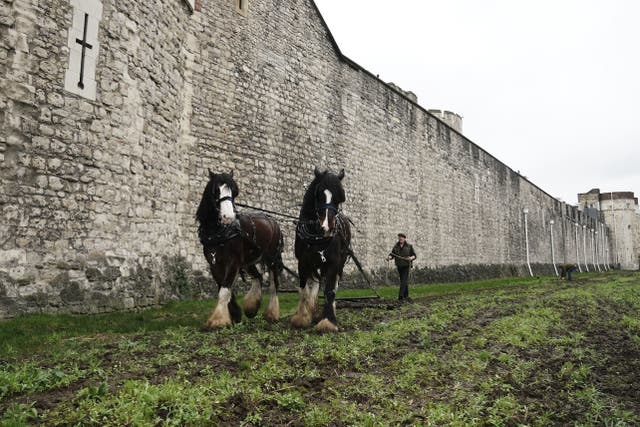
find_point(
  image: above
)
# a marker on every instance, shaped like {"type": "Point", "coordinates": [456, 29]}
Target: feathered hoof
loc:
{"type": "Point", "coordinates": [272, 313]}
{"type": "Point", "coordinates": [216, 322]}
{"type": "Point", "coordinates": [251, 305]}
{"type": "Point", "coordinates": [300, 321]}
{"type": "Point", "coordinates": [250, 313]}
{"type": "Point", "coordinates": [325, 325]}
{"type": "Point", "coordinates": [271, 317]}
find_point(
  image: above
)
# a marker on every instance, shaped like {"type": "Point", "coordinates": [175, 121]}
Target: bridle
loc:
{"type": "Point", "coordinates": [326, 207]}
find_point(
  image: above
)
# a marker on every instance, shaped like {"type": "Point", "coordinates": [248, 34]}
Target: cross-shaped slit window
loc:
{"type": "Point", "coordinates": [84, 47]}
{"type": "Point", "coordinates": [242, 6]}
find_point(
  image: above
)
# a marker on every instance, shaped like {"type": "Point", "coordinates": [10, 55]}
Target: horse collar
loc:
{"type": "Point", "coordinates": [220, 235]}
{"type": "Point", "coordinates": [307, 231]}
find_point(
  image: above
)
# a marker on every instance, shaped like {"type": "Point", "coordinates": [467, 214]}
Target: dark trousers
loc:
{"type": "Point", "coordinates": [404, 282]}
{"type": "Point", "coordinates": [569, 271]}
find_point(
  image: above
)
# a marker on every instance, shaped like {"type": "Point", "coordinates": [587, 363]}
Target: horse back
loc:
{"type": "Point", "coordinates": [262, 231]}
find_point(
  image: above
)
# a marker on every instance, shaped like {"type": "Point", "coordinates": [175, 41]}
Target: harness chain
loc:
{"type": "Point", "coordinates": [319, 240]}
{"type": "Point", "coordinates": [307, 231]}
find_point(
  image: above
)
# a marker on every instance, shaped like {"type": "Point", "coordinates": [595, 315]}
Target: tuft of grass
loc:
{"type": "Point", "coordinates": [531, 327]}
{"type": "Point", "coordinates": [29, 378]}
{"type": "Point", "coordinates": [18, 415]}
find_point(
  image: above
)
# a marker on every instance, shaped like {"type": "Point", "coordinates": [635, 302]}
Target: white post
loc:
{"type": "Point", "coordinates": [601, 245]}
{"type": "Point", "coordinates": [553, 256]}
{"type": "Point", "coordinates": [584, 247]}
{"type": "Point", "coordinates": [593, 255]}
{"type": "Point", "coordinates": [526, 239]}
{"type": "Point", "coordinates": [609, 257]}
{"type": "Point", "coordinates": [615, 233]}
{"type": "Point", "coordinates": [595, 248]}
{"type": "Point", "coordinates": [577, 250]}
{"type": "Point", "coordinates": [604, 245]}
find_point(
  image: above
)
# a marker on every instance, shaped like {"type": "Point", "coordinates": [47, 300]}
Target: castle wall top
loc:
{"type": "Point", "coordinates": [619, 195]}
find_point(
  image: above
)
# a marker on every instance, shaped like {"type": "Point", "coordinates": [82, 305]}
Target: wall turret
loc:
{"type": "Point", "coordinates": [452, 119]}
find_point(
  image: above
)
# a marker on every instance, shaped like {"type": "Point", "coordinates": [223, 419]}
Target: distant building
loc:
{"type": "Point", "coordinates": [622, 215]}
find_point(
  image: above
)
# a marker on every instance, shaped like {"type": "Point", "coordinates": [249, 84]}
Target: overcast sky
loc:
{"type": "Point", "coordinates": [551, 88]}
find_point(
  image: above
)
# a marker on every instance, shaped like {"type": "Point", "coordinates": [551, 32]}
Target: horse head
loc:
{"type": "Point", "coordinates": [218, 199]}
{"type": "Point", "coordinates": [328, 193]}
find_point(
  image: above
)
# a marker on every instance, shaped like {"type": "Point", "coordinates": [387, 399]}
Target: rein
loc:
{"type": "Point", "coordinates": [303, 230]}
{"type": "Point", "coordinates": [266, 211]}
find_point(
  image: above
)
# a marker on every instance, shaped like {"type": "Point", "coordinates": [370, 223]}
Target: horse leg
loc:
{"type": "Point", "coordinates": [227, 307]}
{"type": "Point", "coordinates": [253, 298]}
{"type": "Point", "coordinates": [234, 309]}
{"type": "Point", "coordinates": [272, 313]}
{"type": "Point", "coordinates": [302, 317]}
{"type": "Point", "coordinates": [221, 317]}
{"type": "Point", "coordinates": [314, 287]}
{"type": "Point", "coordinates": [329, 322]}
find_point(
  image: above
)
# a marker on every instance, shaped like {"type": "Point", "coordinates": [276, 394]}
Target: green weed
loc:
{"type": "Point", "coordinates": [531, 327]}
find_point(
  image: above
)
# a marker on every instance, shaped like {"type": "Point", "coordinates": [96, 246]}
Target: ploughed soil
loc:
{"type": "Point", "coordinates": [437, 360]}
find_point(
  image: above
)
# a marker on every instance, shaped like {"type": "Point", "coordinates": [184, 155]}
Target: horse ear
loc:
{"type": "Point", "coordinates": [341, 174]}
{"type": "Point", "coordinates": [316, 171]}
{"type": "Point", "coordinates": [231, 173]}
{"type": "Point", "coordinates": [211, 174]}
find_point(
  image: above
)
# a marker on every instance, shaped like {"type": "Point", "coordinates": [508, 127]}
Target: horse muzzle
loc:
{"type": "Point", "coordinates": [226, 220]}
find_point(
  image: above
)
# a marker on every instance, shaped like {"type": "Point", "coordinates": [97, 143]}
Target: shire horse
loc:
{"type": "Point", "coordinates": [322, 247]}
{"type": "Point", "coordinates": [236, 243]}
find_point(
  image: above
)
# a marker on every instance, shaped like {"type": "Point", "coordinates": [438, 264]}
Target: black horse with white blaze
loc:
{"type": "Point", "coordinates": [233, 242]}
{"type": "Point", "coordinates": [322, 247]}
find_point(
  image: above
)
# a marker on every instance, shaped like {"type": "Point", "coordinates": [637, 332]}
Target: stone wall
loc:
{"type": "Point", "coordinates": [98, 197]}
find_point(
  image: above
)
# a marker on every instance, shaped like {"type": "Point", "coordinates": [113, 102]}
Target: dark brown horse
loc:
{"type": "Point", "coordinates": [234, 243]}
{"type": "Point", "coordinates": [322, 246]}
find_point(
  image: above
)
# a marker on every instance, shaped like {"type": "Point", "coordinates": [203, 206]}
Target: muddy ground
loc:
{"type": "Point", "coordinates": [537, 353]}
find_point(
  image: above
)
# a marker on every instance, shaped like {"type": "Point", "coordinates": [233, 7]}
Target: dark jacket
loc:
{"type": "Point", "coordinates": [565, 268]}
{"type": "Point", "coordinates": [405, 252]}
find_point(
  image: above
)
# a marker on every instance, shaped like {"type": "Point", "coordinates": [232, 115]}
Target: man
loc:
{"type": "Point", "coordinates": [566, 270]}
{"type": "Point", "coordinates": [404, 255]}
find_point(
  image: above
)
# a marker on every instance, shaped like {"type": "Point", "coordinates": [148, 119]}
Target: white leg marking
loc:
{"type": "Point", "coordinates": [302, 317]}
{"type": "Point", "coordinates": [272, 313]}
{"type": "Point", "coordinates": [221, 316]}
{"type": "Point", "coordinates": [224, 296]}
{"type": "Point", "coordinates": [313, 296]}
{"type": "Point", "coordinates": [227, 215]}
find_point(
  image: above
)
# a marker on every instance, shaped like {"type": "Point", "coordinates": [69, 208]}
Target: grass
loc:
{"type": "Point", "coordinates": [532, 351]}
{"type": "Point", "coordinates": [34, 333]}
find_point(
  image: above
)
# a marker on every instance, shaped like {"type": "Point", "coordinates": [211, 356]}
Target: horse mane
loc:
{"type": "Point", "coordinates": [323, 180]}
{"type": "Point", "coordinates": [207, 208]}
{"type": "Point", "coordinates": [207, 212]}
